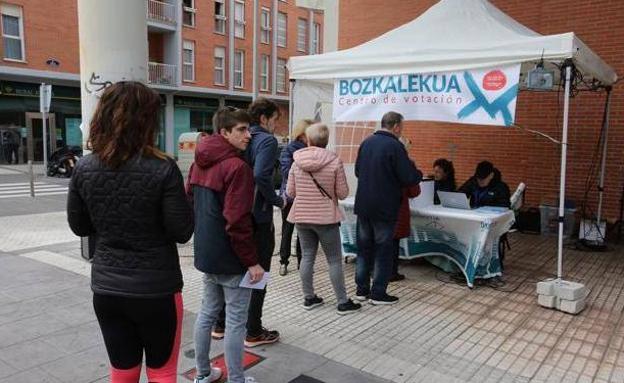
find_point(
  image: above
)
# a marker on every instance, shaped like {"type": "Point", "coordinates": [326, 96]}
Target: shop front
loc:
{"type": "Point", "coordinates": [193, 114]}
{"type": "Point", "coordinates": [21, 120]}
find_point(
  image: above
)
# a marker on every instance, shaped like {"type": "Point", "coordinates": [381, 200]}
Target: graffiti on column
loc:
{"type": "Point", "coordinates": [95, 84]}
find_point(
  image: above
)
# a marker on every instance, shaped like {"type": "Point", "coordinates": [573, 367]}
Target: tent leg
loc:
{"type": "Point", "coordinates": [564, 153]}
{"type": "Point", "coordinates": [604, 157]}
{"type": "Point", "coordinates": [559, 294]}
{"type": "Point", "coordinates": [291, 108]}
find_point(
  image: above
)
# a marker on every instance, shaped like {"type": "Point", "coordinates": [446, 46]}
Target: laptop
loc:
{"type": "Point", "coordinates": [454, 200]}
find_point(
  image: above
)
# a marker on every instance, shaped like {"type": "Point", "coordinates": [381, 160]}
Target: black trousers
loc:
{"type": "Point", "coordinates": [286, 242]}
{"type": "Point", "coordinates": [131, 326]}
{"type": "Point", "coordinates": [395, 259]}
{"type": "Point", "coordinates": [264, 237]}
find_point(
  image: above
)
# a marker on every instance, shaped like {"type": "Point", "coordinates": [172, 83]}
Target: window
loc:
{"type": "Point", "coordinates": [282, 22]}
{"type": "Point", "coordinates": [316, 39]}
{"type": "Point", "coordinates": [239, 19]}
{"type": "Point", "coordinates": [219, 66]}
{"type": "Point", "coordinates": [302, 29]}
{"type": "Point", "coordinates": [239, 69]}
{"type": "Point", "coordinates": [220, 18]}
{"type": "Point", "coordinates": [281, 75]}
{"type": "Point", "coordinates": [201, 121]}
{"type": "Point", "coordinates": [188, 61]}
{"type": "Point", "coordinates": [13, 33]}
{"type": "Point", "coordinates": [265, 26]}
{"type": "Point", "coordinates": [264, 72]}
{"type": "Point", "coordinates": [188, 13]}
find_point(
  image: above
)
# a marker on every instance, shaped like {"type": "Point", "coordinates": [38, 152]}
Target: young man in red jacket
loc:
{"type": "Point", "coordinates": [221, 186]}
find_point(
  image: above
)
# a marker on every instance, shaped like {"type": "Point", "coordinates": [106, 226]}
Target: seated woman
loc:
{"type": "Point", "coordinates": [444, 177]}
{"type": "Point", "coordinates": [486, 187]}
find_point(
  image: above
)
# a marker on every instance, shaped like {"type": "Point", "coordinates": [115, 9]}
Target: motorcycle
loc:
{"type": "Point", "coordinates": [63, 161]}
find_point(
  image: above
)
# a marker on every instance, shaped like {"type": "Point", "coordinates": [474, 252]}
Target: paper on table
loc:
{"type": "Point", "coordinates": [246, 281]}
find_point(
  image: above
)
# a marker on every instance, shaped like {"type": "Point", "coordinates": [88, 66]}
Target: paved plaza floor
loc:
{"type": "Point", "coordinates": [440, 331]}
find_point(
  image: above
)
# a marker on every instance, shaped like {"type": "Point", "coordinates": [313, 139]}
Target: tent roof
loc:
{"type": "Point", "coordinates": [450, 36]}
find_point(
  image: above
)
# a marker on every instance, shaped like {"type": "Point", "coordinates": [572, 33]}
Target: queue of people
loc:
{"type": "Point", "coordinates": [131, 199]}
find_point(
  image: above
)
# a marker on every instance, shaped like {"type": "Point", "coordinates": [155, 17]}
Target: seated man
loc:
{"type": "Point", "coordinates": [486, 187]}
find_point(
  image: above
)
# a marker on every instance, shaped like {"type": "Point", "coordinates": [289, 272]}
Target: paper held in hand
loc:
{"type": "Point", "coordinates": [246, 281]}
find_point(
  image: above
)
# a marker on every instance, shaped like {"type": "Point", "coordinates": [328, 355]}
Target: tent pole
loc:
{"type": "Point", "coordinates": [291, 108]}
{"type": "Point", "coordinates": [605, 125]}
{"type": "Point", "coordinates": [564, 150]}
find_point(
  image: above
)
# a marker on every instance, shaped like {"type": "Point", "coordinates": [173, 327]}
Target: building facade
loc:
{"type": "Point", "coordinates": [201, 56]}
{"type": "Point", "coordinates": [523, 157]}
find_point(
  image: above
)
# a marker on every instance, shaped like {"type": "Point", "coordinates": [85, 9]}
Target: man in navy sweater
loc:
{"type": "Point", "coordinates": [383, 169]}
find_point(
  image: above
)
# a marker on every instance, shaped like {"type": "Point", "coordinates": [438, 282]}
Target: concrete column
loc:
{"type": "Point", "coordinates": [275, 10]}
{"type": "Point", "coordinates": [231, 45]}
{"type": "Point", "coordinates": [113, 47]}
{"type": "Point", "coordinates": [254, 60]}
{"type": "Point", "coordinates": [311, 31]}
{"type": "Point", "coordinates": [169, 125]}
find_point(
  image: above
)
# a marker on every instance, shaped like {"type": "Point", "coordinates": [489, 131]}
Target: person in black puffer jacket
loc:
{"type": "Point", "coordinates": [130, 197]}
{"type": "Point", "coordinates": [486, 187]}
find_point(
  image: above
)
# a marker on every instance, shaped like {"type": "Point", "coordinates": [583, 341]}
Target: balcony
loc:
{"type": "Point", "coordinates": [162, 74]}
{"type": "Point", "coordinates": [161, 14]}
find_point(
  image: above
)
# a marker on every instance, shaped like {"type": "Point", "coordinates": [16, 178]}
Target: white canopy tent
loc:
{"type": "Point", "coordinates": [452, 35]}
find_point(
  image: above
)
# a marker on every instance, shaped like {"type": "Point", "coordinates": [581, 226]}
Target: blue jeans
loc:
{"type": "Point", "coordinates": [220, 289]}
{"type": "Point", "coordinates": [375, 243]}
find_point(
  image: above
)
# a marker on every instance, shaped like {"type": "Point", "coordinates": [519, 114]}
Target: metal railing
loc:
{"type": "Point", "coordinates": [161, 12]}
{"type": "Point", "coordinates": [162, 74]}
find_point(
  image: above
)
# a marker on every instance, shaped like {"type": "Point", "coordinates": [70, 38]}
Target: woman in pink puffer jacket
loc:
{"type": "Point", "coordinates": [317, 181]}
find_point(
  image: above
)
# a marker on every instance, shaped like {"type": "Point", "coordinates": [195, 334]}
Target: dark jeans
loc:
{"type": "Point", "coordinates": [264, 237]}
{"type": "Point", "coordinates": [286, 243]}
{"type": "Point", "coordinates": [375, 243]}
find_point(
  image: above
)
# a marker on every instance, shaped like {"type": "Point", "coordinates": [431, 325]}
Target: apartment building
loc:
{"type": "Point", "coordinates": [201, 56]}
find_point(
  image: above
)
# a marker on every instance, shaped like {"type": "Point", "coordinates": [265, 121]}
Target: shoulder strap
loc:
{"type": "Point", "coordinates": [320, 188]}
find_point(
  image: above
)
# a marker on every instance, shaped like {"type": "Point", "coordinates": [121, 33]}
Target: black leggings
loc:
{"type": "Point", "coordinates": [132, 325]}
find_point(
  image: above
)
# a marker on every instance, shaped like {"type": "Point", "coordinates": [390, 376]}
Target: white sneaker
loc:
{"type": "Point", "coordinates": [215, 374]}
{"type": "Point", "coordinates": [249, 379]}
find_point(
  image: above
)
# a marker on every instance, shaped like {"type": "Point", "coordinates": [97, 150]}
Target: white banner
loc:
{"type": "Point", "coordinates": [482, 96]}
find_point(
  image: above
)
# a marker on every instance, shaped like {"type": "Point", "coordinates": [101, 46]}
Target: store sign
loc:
{"type": "Point", "coordinates": [196, 102]}
{"type": "Point", "coordinates": [481, 96]}
{"type": "Point", "coordinates": [23, 89]}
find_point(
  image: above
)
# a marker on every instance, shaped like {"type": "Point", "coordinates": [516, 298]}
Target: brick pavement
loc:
{"type": "Point", "coordinates": [440, 331]}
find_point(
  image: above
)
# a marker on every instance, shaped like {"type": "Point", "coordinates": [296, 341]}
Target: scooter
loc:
{"type": "Point", "coordinates": [63, 161]}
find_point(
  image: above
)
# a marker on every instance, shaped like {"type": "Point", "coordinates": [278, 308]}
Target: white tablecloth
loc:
{"type": "Point", "coordinates": [467, 238]}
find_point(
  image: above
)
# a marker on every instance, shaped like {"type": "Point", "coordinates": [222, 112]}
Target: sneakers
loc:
{"type": "Point", "coordinates": [215, 375]}
{"type": "Point", "coordinates": [283, 270]}
{"type": "Point", "coordinates": [362, 298]}
{"type": "Point", "coordinates": [266, 337]}
{"type": "Point", "coordinates": [310, 303]}
{"type": "Point", "coordinates": [396, 278]}
{"type": "Point", "coordinates": [218, 333]}
{"type": "Point", "coordinates": [384, 300]}
{"type": "Point", "coordinates": [348, 307]}
{"type": "Point", "coordinates": [249, 379]}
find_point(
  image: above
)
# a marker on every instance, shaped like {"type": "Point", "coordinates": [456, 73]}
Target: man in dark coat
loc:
{"type": "Point", "coordinates": [261, 155]}
{"type": "Point", "coordinates": [383, 169]}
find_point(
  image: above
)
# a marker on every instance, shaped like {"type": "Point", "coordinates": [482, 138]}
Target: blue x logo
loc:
{"type": "Point", "coordinates": [498, 105]}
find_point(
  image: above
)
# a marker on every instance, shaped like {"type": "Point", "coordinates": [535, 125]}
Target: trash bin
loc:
{"type": "Point", "coordinates": [549, 218]}
{"type": "Point", "coordinates": [186, 150]}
